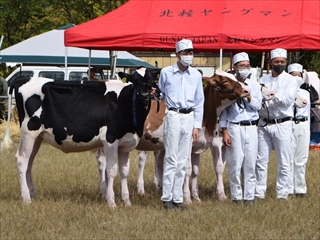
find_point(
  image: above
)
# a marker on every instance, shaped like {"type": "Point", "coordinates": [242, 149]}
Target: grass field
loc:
{"type": "Point", "coordinates": [69, 205]}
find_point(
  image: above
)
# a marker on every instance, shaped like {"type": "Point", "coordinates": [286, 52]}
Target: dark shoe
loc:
{"type": "Point", "coordinates": [237, 202]}
{"type": "Point", "coordinates": [280, 199]}
{"type": "Point", "coordinates": [249, 202]}
{"type": "Point", "coordinates": [257, 199]}
{"type": "Point", "coordinates": [301, 195]}
{"type": "Point", "coordinates": [180, 206]}
{"type": "Point", "coordinates": [169, 206]}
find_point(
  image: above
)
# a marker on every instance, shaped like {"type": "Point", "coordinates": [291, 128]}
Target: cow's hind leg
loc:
{"type": "Point", "coordinates": [25, 156]}
{"type": "Point", "coordinates": [102, 165]}
{"type": "Point", "coordinates": [142, 162]}
{"type": "Point", "coordinates": [195, 161]}
{"type": "Point", "coordinates": [124, 167]}
{"type": "Point", "coordinates": [186, 187]}
{"type": "Point", "coordinates": [35, 150]}
{"type": "Point", "coordinates": [218, 154]}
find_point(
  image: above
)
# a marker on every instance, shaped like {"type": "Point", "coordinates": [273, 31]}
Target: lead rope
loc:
{"type": "Point", "coordinates": [241, 101]}
{"type": "Point", "coordinates": [134, 114]}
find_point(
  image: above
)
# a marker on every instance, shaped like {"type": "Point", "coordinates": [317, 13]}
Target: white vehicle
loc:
{"type": "Point", "coordinates": [56, 73]}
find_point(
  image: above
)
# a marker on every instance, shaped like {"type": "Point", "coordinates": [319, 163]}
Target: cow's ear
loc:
{"type": "Point", "coordinates": [210, 80]}
{"type": "Point", "coordinates": [124, 76]}
{"type": "Point", "coordinates": [206, 79]}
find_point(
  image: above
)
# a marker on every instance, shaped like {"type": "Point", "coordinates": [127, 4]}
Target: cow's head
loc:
{"type": "Point", "coordinates": [143, 81]}
{"type": "Point", "coordinates": [300, 102]}
{"type": "Point", "coordinates": [227, 83]}
{"type": "Point", "coordinates": [267, 94]}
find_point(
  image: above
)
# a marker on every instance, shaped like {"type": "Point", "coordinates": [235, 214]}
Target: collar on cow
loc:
{"type": "Point", "coordinates": [227, 91]}
{"type": "Point", "coordinates": [134, 113]}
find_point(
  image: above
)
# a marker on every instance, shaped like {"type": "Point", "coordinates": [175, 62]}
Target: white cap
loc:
{"type": "Point", "coordinates": [278, 52]}
{"type": "Point", "coordinates": [84, 76]}
{"type": "Point", "coordinates": [243, 56]}
{"type": "Point", "coordinates": [295, 67]}
{"type": "Point", "coordinates": [183, 44]}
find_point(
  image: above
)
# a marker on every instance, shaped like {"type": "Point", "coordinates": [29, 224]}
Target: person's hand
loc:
{"type": "Point", "coordinates": [226, 138]}
{"type": "Point", "coordinates": [195, 135]}
{"type": "Point", "coordinates": [153, 91]}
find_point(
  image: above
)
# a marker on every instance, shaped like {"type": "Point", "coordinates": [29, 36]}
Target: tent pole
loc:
{"type": "Point", "coordinates": [113, 63]}
{"type": "Point", "coordinates": [1, 40]}
{"type": "Point", "coordinates": [262, 63]}
{"type": "Point", "coordinates": [221, 58]}
{"type": "Point", "coordinates": [89, 65]}
{"type": "Point", "coordinates": [231, 55]}
{"type": "Point", "coordinates": [66, 63]}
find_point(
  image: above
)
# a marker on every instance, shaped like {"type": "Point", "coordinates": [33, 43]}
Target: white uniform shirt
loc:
{"type": "Point", "coordinates": [234, 113]}
{"type": "Point", "coordinates": [183, 90]}
{"type": "Point", "coordinates": [305, 111]}
{"type": "Point", "coordinates": [285, 87]}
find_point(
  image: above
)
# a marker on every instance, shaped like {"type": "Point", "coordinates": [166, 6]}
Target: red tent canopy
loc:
{"type": "Point", "coordinates": [150, 25]}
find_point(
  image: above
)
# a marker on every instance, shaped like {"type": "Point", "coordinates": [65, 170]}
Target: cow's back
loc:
{"type": "Point", "coordinates": [71, 115]}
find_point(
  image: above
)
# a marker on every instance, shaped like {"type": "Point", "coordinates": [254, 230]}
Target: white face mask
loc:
{"type": "Point", "coordinates": [299, 80]}
{"type": "Point", "coordinates": [244, 73]}
{"type": "Point", "coordinates": [186, 60]}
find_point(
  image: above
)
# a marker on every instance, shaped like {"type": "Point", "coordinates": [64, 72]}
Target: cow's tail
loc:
{"type": "Point", "coordinates": [7, 141]}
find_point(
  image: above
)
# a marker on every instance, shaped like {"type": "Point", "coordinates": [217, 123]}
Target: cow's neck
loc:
{"type": "Point", "coordinates": [214, 103]}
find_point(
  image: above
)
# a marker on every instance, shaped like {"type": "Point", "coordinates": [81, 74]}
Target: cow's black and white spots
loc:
{"type": "Point", "coordinates": [79, 116]}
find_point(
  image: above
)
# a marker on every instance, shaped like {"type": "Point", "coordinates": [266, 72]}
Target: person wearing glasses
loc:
{"type": "Point", "coordinates": [300, 138]}
{"type": "Point", "coordinates": [181, 87]}
{"type": "Point", "coordinates": [239, 131]}
{"type": "Point", "coordinates": [275, 125]}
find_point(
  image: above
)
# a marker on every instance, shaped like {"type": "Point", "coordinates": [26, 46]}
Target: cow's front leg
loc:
{"type": "Point", "coordinates": [218, 154]}
{"type": "Point", "coordinates": [102, 165]}
{"type": "Point", "coordinates": [124, 167]}
{"type": "Point", "coordinates": [195, 160]}
{"type": "Point", "coordinates": [142, 155]}
{"type": "Point", "coordinates": [158, 167]}
{"type": "Point", "coordinates": [111, 153]}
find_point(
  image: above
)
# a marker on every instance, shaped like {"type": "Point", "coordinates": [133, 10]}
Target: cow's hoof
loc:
{"type": "Point", "coordinates": [112, 205]}
{"type": "Point", "coordinates": [127, 203]}
{"type": "Point", "coordinates": [26, 201]}
{"type": "Point", "coordinates": [140, 191]}
{"type": "Point", "coordinates": [222, 197]}
{"type": "Point", "coordinates": [187, 201]}
{"type": "Point", "coordinates": [196, 198]}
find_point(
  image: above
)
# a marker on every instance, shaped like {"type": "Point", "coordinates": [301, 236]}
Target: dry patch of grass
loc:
{"type": "Point", "coordinates": [69, 205]}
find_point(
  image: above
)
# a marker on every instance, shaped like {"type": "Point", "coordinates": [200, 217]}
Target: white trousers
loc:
{"type": "Point", "coordinates": [242, 154]}
{"type": "Point", "coordinates": [277, 136]}
{"type": "Point", "coordinates": [299, 157]}
{"type": "Point", "coordinates": [177, 139]}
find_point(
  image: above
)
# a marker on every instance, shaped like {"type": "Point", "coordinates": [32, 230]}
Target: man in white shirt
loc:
{"type": "Point", "coordinates": [181, 86]}
{"type": "Point", "coordinates": [239, 129]}
{"type": "Point", "coordinates": [275, 125]}
{"type": "Point", "coordinates": [300, 138]}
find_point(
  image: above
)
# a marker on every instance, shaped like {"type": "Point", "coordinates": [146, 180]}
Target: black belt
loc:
{"type": "Point", "coordinates": [279, 120]}
{"type": "Point", "coordinates": [297, 120]}
{"type": "Point", "coordinates": [246, 123]}
{"type": "Point", "coordinates": [181, 110]}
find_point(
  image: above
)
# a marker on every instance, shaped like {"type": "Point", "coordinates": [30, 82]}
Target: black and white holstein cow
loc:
{"type": "Point", "coordinates": [79, 116]}
{"type": "Point", "coordinates": [221, 91]}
